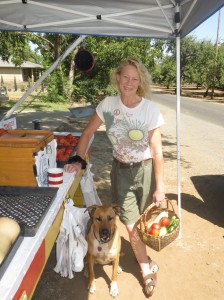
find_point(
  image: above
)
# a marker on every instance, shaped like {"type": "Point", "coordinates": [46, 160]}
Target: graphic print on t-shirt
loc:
{"type": "Point", "coordinates": [128, 135]}
{"type": "Point", "coordinates": [128, 128]}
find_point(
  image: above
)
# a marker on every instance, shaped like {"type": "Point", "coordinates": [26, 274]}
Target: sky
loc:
{"type": "Point", "coordinates": [208, 29]}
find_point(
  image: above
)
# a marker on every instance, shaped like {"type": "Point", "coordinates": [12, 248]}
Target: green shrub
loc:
{"type": "Point", "coordinates": [15, 84]}
{"type": "Point", "coordinates": [56, 88]}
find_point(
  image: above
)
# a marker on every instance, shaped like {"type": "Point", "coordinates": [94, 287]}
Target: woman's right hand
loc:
{"type": "Point", "coordinates": [75, 167]}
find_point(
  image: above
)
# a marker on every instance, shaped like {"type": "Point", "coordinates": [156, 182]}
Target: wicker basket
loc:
{"type": "Point", "coordinates": [156, 242]}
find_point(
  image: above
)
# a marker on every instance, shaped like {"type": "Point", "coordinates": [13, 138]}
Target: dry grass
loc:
{"type": "Point", "coordinates": [194, 92]}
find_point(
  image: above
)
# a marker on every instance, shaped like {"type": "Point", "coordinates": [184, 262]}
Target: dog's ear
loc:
{"type": "Point", "coordinates": [91, 209]}
{"type": "Point", "coordinates": [117, 209]}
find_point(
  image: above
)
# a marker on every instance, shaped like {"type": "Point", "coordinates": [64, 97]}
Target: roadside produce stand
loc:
{"type": "Point", "coordinates": [23, 266]}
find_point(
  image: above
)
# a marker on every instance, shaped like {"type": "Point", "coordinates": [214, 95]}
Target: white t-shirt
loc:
{"type": "Point", "coordinates": [128, 128]}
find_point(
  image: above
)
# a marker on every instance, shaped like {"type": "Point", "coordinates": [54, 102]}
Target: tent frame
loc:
{"type": "Point", "coordinates": [161, 19]}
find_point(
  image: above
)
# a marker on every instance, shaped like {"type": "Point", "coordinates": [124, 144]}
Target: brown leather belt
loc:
{"type": "Point", "coordinates": [131, 165]}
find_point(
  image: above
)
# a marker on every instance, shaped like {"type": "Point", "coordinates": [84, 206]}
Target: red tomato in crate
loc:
{"type": "Point", "coordinates": [69, 150]}
{"type": "Point", "coordinates": [60, 140]}
{"type": "Point", "coordinates": [73, 143]}
{"type": "Point", "coordinates": [69, 136]}
{"type": "Point", "coordinates": [165, 221]}
{"type": "Point", "coordinates": [155, 226]}
{"type": "Point", "coordinates": [154, 231]}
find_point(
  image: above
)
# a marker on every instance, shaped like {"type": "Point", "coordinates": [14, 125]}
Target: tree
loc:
{"type": "Point", "coordinates": [14, 46]}
{"type": "Point", "coordinates": [188, 50]}
{"type": "Point", "coordinates": [166, 72]}
{"type": "Point", "coordinates": [220, 66]}
{"type": "Point", "coordinates": [68, 83]}
{"type": "Point", "coordinates": [109, 51]}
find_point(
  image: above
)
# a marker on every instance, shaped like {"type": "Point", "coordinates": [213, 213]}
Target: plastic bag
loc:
{"type": "Point", "coordinates": [89, 192]}
{"type": "Point", "coordinates": [71, 245]}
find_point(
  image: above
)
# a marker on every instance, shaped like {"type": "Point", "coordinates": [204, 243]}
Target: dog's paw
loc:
{"type": "Point", "coordinates": [119, 269]}
{"type": "Point", "coordinates": [92, 288]}
{"type": "Point", "coordinates": [113, 289]}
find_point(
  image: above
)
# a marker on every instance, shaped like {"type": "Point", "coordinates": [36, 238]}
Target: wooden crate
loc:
{"type": "Point", "coordinates": [21, 138]}
{"type": "Point", "coordinates": [17, 155]}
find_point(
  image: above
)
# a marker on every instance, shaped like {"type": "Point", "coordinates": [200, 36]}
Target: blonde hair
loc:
{"type": "Point", "coordinates": [144, 89]}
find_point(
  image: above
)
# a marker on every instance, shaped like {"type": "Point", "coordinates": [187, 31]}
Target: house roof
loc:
{"type": "Point", "coordinates": [26, 64]}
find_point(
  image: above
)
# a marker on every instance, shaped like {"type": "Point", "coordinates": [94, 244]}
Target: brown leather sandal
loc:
{"type": "Point", "coordinates": [149, 286]}
{"type": "Point", "coordinates": [153, 265]}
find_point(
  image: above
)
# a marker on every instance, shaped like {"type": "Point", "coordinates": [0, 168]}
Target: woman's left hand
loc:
{"type": "Point", "coordinates": [158, 197]}
{"type": "Point", "coordinates": [75, 167]}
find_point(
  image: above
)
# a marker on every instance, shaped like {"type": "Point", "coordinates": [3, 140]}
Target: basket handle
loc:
{"type": "Point", "coordinates": [152, 206]}
{"type": "Point", "coordinates": [146, 212]}
{"type": "Point", "coordinates": [169, 203]}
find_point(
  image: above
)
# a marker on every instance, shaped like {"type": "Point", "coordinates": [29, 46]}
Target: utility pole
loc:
{"type": "Point", "coordinates": [216, 55]}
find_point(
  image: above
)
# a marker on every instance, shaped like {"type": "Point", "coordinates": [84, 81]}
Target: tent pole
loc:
{"type": "Point", "coordinates": [178, 84]}
{"type": "Point", "coordinates": [50, 70]}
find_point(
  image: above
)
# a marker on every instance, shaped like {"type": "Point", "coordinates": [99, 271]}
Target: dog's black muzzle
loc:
{"type": "Point", "coordinates": [104, 235]}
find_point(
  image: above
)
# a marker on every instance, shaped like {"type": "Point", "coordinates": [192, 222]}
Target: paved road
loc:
{"type": "Point", "coordinates": [211, 112]}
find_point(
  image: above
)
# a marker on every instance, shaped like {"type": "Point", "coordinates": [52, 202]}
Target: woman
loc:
{"type": "Point", "coordinates": [132, 125]}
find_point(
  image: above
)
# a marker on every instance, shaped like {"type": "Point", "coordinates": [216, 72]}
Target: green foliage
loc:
{"type": "Point", "coordinates": [166, 73]}
{"type": "Point", "coordinates": [220, 65]}
{"type": "Point", "coordinates": [202, 63]}
{"type": "Point", "coordinates": [2, 81]}
{"type": "Point", "coordinates": [56, 86]}
{"type": "Point", "coordinates": [108, 52]}
{"type": "Point", "coordinates": [29, 82]}
{"type": "Point", "coordinates": [15, 84]}
{"type": "Point", "coordinates": [14, 46]}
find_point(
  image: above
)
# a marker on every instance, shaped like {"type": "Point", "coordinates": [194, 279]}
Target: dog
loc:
{"type": "Point", "coordinates": [104, 243]}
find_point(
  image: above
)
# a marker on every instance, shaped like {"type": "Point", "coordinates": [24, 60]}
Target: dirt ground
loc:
{"type": "Point", "coordinates": [193, 91]}
{"type": "Point", "coordinates": [191, 267]}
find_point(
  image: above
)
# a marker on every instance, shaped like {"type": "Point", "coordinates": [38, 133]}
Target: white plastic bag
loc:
{"type": "Point", "coordinates": [71, 245]}
{"type": "Point", "coordinates": [89, 192]}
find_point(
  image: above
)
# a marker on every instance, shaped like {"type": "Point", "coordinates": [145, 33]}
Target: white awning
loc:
{"type": "Point", "coordinates": [130, 18]}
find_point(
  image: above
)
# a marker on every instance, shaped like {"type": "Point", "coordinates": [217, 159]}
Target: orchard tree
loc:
{"type": "Point", "coordinates": [166, 72]}
{"type": "Point", "coordinates": [188, 49]}
{"type": "Point", "coordinates": [220, 66]}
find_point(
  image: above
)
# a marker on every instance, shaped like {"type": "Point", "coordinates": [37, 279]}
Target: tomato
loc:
{"type": "Point", "coordinates": [165, 221]}
{"type": "Point", "coordinates": [155, 226]}
{"type": "Point", "coordinates": [154, 231]}
{"type": "Point", "coordinates": [69, 136]}
{"type": "Point", "coordinates": [73, 143]}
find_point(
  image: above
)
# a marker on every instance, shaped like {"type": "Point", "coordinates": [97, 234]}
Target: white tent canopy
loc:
{"type": "Point", "coordinates": [166, 19]}
{"type": "Point", "coordinates": [135, 18]}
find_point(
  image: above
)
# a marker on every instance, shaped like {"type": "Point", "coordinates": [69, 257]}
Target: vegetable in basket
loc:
{"type": "Point", "coordinates": [164, 227]}
{"type": "Point", "coordinates": [157, 219]}
{"type": "Point", "coordinates": [165, 221]}
{"type": "Point", "coordinates": [174, 222]}
{"type": "Point", "coordinates": [163, 231]}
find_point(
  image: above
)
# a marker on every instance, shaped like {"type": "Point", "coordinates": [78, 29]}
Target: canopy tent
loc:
{"type": "Point", "coordinates": [136, 18]}
{"type": "Point", "coordinates": [161, 19]}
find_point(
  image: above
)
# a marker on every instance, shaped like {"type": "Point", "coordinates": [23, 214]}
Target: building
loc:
{"type": "Point", "coordinates": [27, 71]}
